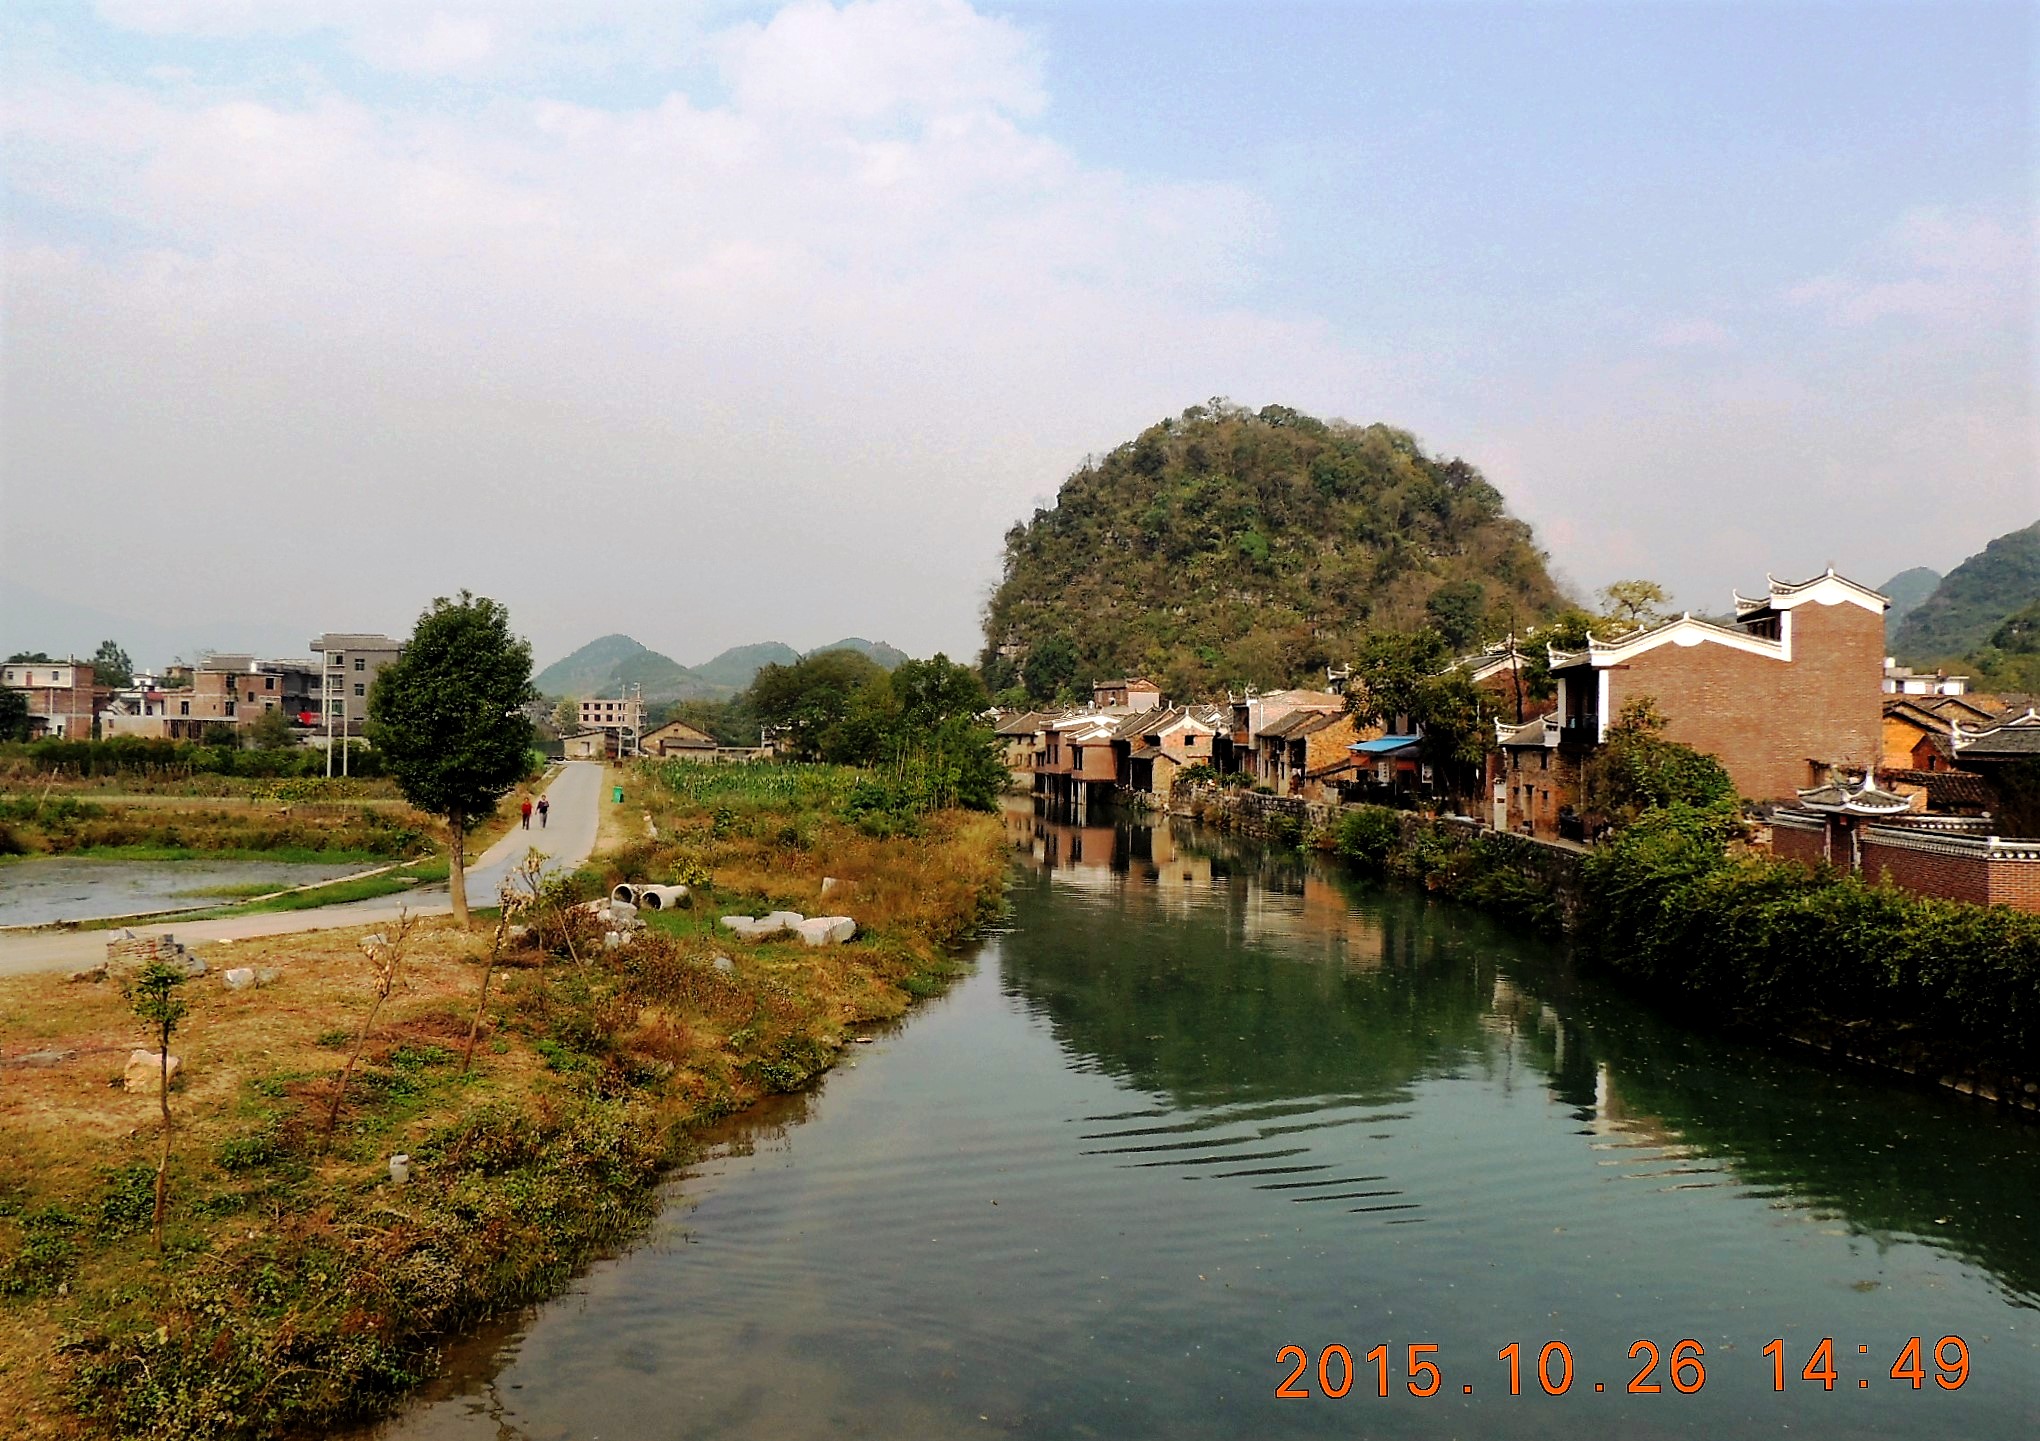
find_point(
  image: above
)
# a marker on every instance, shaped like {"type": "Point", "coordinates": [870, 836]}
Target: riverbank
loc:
{"type": "Point", "coordinates": [300, 1286]}
{"type": "Point", "coordinates": [1939, 991]}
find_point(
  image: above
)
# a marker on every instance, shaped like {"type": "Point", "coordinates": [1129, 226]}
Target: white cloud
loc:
{"type": "Point", "coordinates": [1932, 267]}
{"type": "Point", "coordinates": [845, 322]}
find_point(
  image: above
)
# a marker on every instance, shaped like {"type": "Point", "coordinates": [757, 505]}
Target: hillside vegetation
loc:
{"type": "Point", "coordinates": [1229, 547]}
{"type": "Point", "coordinates": [1973, 600]}
{"type": "Point", "coordinates": [1905, 591]}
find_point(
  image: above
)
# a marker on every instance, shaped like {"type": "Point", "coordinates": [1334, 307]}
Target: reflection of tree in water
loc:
{"type": "Point", "coordinates": [1892, 1161]}
{"type": "Point", "coordinates": [1266, 978]}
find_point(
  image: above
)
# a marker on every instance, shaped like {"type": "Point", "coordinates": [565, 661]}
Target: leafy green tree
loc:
{"type": "Point", "coordinates": [1458, 611]}
{"type": "Point", "coordinates": [448, 718]}
{"type": "Point", "coordinates": [1405, 683]}
{"type": "Point", "coordinates": [811, 697]}
{"type": "Point", "coordinates": [13, 714]}
{"type": "Point", "coordinates": [1636, 770]}
{"type": "Point", "coordinates": [153, 994]}
{"type": "Point", "coordinates": [1050, 668]}
{"type": "Point", "coordinates": [937, 689]}
{"type": "Point", "coordinates": [31, 657]}
{"type": "Point", "coordinates": [1637, 603]}
{"type": "Point", "coordinates": [271, 731]}
{"type": "Point", "coordinates": [111, 666]}
{"type": "Point", "coordinates": [566, 716]}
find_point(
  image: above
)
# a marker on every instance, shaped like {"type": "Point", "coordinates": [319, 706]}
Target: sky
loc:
{"type": "Point", "coordinates": [714, 323]}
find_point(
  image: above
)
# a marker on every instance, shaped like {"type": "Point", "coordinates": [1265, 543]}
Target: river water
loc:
{"type": "Point", "coordinates": [1201, 1103]}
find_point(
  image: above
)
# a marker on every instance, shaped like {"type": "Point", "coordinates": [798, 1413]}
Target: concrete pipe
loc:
{"type": "Point", "coordinates": [665, 898]}
{"type": "Point", "coordinates": [625, 892]}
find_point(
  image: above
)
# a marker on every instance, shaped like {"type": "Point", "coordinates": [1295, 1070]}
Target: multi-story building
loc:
{"type": "Point", "coordinates": [347, 667]}
{"type": "Point", "coordinates": [613, 713]}
{"type": "Point", "coordinates": [1785, 697]}
{"type": "Point", "coordinates": [61, 699]}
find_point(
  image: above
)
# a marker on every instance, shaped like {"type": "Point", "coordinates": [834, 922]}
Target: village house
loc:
{"type": "Point", "coordinates": [1077, 767]}
{"type": "Point", "coordinates": [1917, 729]}
{"type": "Point", "coordinates": [1133, 693]}
{"type": "Point", "coordinates": [1784, 697]}
{"type": "Point", "coordinates": [1533, 782]}
{"type": "Point", "coordinates": [677, 740]}
{"type": "Point", "coordinates": [62, 699]}
{"type": "Point", "coordinates": [1309, 751]}
{"type": "Point", "coordinates": [1020, 735]}
{"type": "Point", "coordinates": [1153, 747]}
{"type": "Point", "coordinates": [1239, 750]}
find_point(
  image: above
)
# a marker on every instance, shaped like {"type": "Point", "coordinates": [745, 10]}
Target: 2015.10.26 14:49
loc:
{"type": "Point", "coordinates": [1687, 1371]}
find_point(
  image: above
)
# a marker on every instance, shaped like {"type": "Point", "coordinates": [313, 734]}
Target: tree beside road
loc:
{"type": "Point", "coordinates": [447, 716]}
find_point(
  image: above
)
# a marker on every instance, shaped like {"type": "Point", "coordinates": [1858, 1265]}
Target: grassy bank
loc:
{"type": "Point", "coordinates": [299, 1287]}
{"type": "Point", "coordinates": [155, 827]}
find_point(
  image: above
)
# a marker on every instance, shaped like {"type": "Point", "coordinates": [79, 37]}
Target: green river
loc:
{"type": "Point", "coordinates": [1199, 1103]}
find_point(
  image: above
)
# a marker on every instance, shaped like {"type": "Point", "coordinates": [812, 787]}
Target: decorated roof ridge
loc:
{"type": "Point", "coordinates": [1558, 658]}
{"type": "Point", "coordinates": [1520, 732]}
{"type": "Point", "coordinates": [1866, 798]}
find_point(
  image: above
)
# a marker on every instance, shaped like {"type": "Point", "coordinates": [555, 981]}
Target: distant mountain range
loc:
{"type": "Point", "coordinates": [605, 666]}
{"type": "Point", "coordinates": [1971, 601]}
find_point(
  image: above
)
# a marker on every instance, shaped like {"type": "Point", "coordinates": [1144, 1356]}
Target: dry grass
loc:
{"type": "Point", "coordinates": [301, 1289]}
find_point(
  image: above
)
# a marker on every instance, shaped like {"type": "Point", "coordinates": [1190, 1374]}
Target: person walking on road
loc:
{"type": "Point", "coordinates": [544, 807]}
{"type": "Point", "coordinates": [525, 811]}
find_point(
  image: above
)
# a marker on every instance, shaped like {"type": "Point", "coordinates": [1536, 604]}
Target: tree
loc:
{"type": "Point", "coordinates": [111, 666]}
{"type": "Point", "coordinates": [385, 959]}
{"type": "Point", "coordinates": [932, 691]}
{"type": "Point", "coordinates": [1050, 667]}
{"type": "Point", "coordinates": [1458, 610]}
{"type": "Point", "coordinates": [152, 992]}
{"type": "Point", "coordinates": [812, 697]}
{"type": "Point", "coordinates": [1404, 681]}
{"type": "Point", "coordinates": [448, 717]}
{"type": "Point", "coordinates": [1636, 603]}
{"type": "Point", "coordinates": [271, 731]}
{"type": "Point", "coordinates": [31, 657]}
{"type": "Point", "coordinates": [1637, 770]}
{"type": "Point", "coordinates": [13, 714]}
{"type": "Point", "coordinates": [566, 716]}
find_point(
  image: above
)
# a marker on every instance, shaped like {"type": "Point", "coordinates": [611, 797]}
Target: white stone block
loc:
{"type": "Point", "coordinates": [145, 1070]}
{"type": "Point", "coordinates": [240, 978]}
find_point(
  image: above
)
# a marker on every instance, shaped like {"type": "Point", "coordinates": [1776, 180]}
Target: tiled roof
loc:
{"type": "Point", "coordinates": [2020, 737]}
{"type": "Point", "coordinates": [1943, 788]}
{"type": "Point", "coordinates": [1295, 723]}
{"type": "Point", "coordinates": [1026, 723]}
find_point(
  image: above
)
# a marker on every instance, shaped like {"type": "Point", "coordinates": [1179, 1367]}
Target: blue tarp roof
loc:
{"type": "Point", "coordinates": [1384, 744]}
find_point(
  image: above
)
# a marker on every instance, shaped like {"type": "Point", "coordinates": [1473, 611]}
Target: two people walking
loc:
{"type": "Point", "coordinates": [524, 812]}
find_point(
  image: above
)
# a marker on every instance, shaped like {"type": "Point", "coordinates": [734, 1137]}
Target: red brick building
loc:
{"type": "Point", "coordinates": [1784, 697]}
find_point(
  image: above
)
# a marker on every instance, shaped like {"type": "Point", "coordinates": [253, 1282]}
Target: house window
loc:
{"type": "Point", "coordinates": [361, 662]}
{"type": "Point", "coordinates": [269, 682]}
{"type": "Point", "coordinates": [184, 707]}
{"type": "Point", "coordinates": [336, 660]}
{"type": "Point", "coordinates": [360, 689]}
{"type": "Point", "coordinates": [1544, 760]}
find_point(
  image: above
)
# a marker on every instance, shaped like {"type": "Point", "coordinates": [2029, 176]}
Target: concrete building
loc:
{"type": "Point", "coordinates": [61, 696]}
{"type": "Point", "coordinates": [348, 664]}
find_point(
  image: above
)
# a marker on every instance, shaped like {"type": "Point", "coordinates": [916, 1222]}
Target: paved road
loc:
{"type": "Point", "coordinates": [569, 838]}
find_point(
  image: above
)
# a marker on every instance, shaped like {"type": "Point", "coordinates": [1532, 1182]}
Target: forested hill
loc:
{"type": "Point", "coordinates": [1230, 547]}
{"type": "Point", "coordinates": [1973, 599]}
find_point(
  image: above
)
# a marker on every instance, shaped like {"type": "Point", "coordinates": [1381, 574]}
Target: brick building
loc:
{"type": "Point", "coordinates": [1784, 697]}
{"type": "Point", "coordinates": [61, 696]}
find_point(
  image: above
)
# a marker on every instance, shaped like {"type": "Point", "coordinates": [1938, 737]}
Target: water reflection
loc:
{"type": "Point", "coordinates": [1266, 1054]}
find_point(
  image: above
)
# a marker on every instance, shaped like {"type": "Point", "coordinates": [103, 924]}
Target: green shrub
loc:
{"type": "Point", "coordinates": [1367, 834]}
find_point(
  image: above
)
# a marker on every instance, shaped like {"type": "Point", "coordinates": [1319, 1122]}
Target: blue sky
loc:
{"type": "Point", "coordinates": [836, 292]}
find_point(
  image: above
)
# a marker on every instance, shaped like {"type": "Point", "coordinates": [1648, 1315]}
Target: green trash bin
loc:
{"type": "Point", "coordinates": [616, 794]}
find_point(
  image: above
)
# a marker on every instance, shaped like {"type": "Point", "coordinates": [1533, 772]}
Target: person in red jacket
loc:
{"type": "Point", "coordinates": [525, 811]}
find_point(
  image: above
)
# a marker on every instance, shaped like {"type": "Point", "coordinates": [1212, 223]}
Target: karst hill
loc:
{"type": "Point", "coordinates": [1230, 547]}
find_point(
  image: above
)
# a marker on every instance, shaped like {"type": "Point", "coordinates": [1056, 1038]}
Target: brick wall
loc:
{"type": "Point", "coordinates": [1765, 718]}
{"type": "Point", "coordinates": [1794, 843]}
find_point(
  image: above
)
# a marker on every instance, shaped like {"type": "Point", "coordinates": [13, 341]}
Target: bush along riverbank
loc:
{"type": "Point", "coordinates": [302, 1283]}
{"type": "Point", "coordinates": [1674, 903]}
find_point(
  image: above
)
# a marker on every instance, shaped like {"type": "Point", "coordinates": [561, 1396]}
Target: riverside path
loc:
{"type": "Point", "coordinates": [567, 841]}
